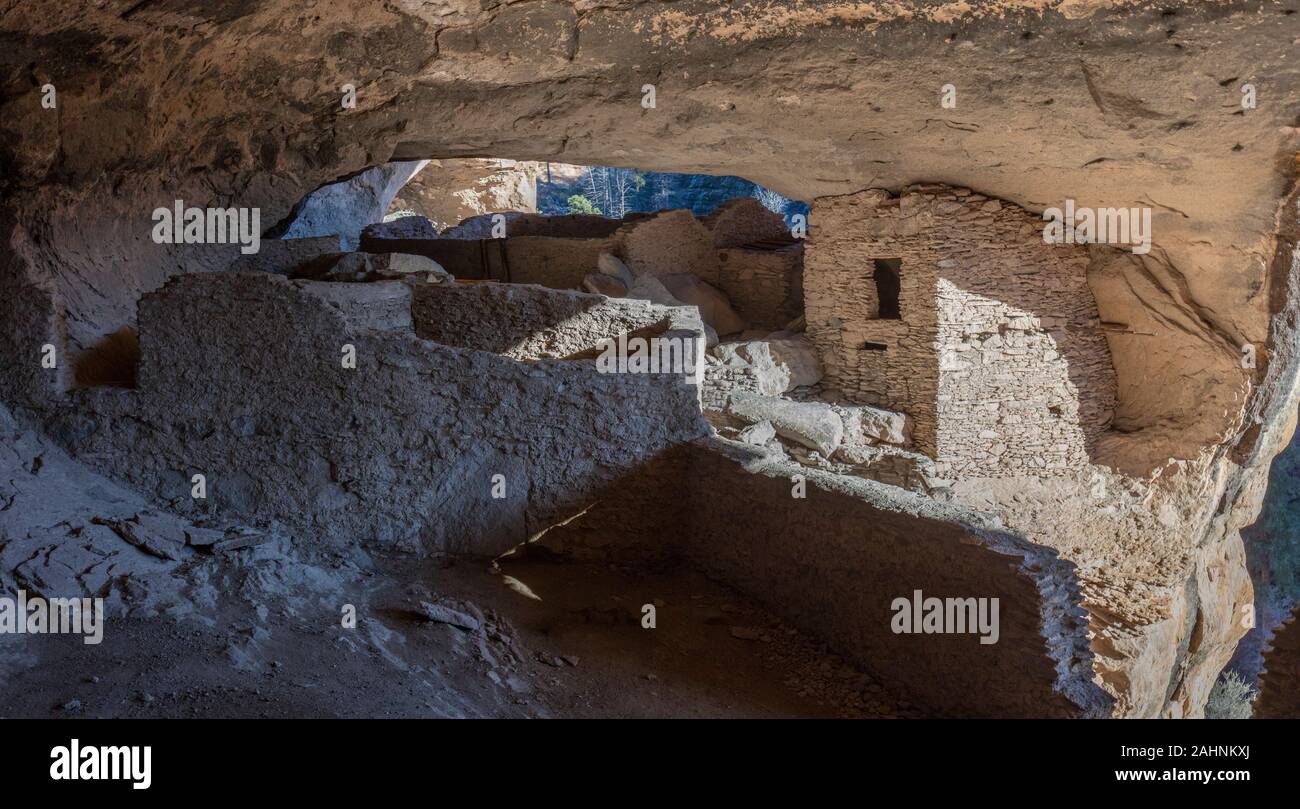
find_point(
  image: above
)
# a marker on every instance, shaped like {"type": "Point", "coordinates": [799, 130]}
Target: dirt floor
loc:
{"type": "Point", "coordinates": [261, 635]}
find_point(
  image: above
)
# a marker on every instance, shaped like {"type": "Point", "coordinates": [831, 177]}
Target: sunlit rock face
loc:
{"type": "Point", "coordinates": [243, 104]}
{"type": "Point", "coordinates": [448, 191]}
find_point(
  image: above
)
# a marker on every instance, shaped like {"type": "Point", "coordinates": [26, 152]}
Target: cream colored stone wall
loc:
{"type": "Point", "coordinates": [998, 354]}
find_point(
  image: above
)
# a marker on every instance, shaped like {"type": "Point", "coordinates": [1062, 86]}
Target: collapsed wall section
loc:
{"type": "Point", "coordinates": [243, 380]}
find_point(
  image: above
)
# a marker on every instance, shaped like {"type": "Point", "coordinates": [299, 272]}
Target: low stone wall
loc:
{"type": "Point", "coordinates": [833, 562]}
{"type": "Point", "coordinates": [242, 381]}
{"type": "Point", "coordinates": [527, 322]}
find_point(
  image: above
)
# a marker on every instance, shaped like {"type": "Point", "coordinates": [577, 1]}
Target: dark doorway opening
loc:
{"type": "Point", "coordinates": [886, 276]}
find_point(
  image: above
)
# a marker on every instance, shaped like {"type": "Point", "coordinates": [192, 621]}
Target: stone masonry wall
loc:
{"type": "Point", "coordinates": [834, 561]}
{"type": "Point", "coordinates": [765, 287]}
{"type": "Point", "coordinates": [998, 353]}
{"type": "Point", "coordinates": [527, 322]}
{"type": "Point", "coordinates": [241, 380]}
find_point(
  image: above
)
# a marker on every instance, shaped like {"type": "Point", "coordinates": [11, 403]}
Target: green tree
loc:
{"type": "Point", "coordinates": [580, 204]}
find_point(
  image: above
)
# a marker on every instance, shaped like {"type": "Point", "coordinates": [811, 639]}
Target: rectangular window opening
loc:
{"type": "Point", "coordinates": [887, 277]}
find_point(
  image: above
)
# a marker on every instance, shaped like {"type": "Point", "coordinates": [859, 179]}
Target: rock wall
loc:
{"type": "Point", "coordinates": [242, 380]}
{"type": "Point", "coordinates": [996, 349]}
{"type": "Point", "coordinates": [344, 208]}
{"type": "Point", "coordinates": [449, 191]}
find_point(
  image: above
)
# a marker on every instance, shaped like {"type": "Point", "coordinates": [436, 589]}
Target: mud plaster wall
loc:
{"type": "Point", "coordinates": [241, 380]}
{"type": "Point", "coordinates": [559, 263]}
{"type": "Point", "coordinates": [832, 564]}
{"type": "Point", "coordinates": [527, 322]}
{"type": "Point", "coordinates": [998, 354]}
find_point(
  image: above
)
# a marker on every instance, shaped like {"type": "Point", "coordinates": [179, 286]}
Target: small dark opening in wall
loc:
{"type": "Point", "coordinates": [886, 276]}
{"type": "Point", "coordinates": [869, 346]}
{"type": "Point", "coordinates": [112, 362]}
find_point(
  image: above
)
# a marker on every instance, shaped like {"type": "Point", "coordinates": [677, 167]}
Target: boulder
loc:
{"type": "Point", "coordinates": [369, 267]}
{"type": "Point", "coordinates": [758, 434]}
{"type": "Point", "coordinates": [813, 424]}
{"type": "Point", "coordinates": [715, 308]}
{"type": "Point", "coordinates": [613, 266]}
{"type": "Point", "coordinates": [400, 264]}
{"type": "Point", "coordinates": [797, 355]}
{"type": "Point", "coordinates": [606, 285]}
{"type": "Point", "coordinates": [777, 366]}
{"type": "Point", "coordinates": [452, 614]}
{"type": "Point", "coordinates": [865, 425]}
{"type": "Point", "coordinates": [404, 227]}
{"type": "Point", "coordinates": [649, 288]}
{"type": "Point", "coordinates": [480, 227]}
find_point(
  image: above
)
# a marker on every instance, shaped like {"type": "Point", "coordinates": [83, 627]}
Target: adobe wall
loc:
{"type": "Point", "coordinates": [832, 564]}
{"type": "Point", "coordinates": [556, 262]}
{"type": "Point", "coordinates": [999, 355]}
{"type": "Point", "coordinates": [667, 243]}
{"type": "Point", "coordinates": [241, 380]}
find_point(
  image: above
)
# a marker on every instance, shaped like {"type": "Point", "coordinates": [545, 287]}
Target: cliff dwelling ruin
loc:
{"type": "Point", "coordinates": [761, 393]}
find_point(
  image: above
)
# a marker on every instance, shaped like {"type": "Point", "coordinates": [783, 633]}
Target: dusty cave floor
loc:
{"type": "Point", "coordinates": [259, 635]}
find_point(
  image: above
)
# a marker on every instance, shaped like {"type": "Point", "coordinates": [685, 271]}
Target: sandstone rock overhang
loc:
{"type": "Point", "coordinates": [811, 102]}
